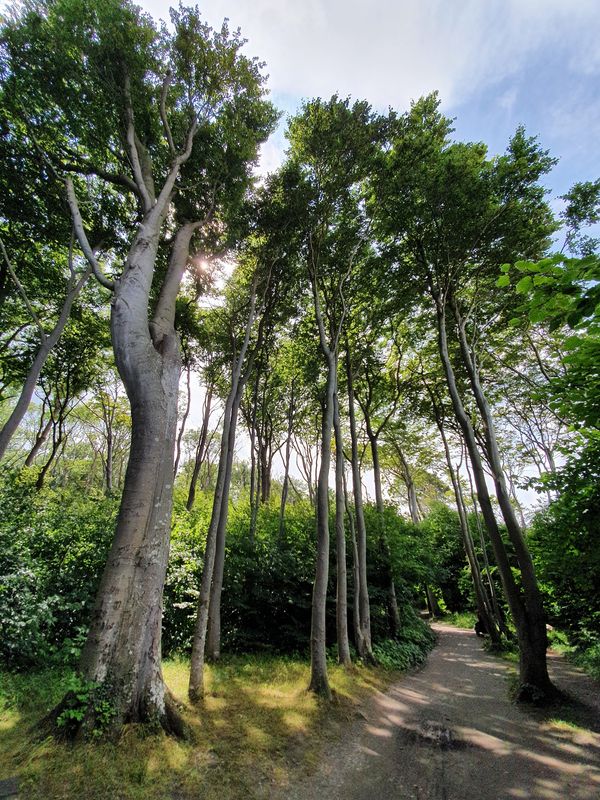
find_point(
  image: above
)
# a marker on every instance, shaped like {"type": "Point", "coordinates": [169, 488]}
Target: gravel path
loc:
{"type": "Point", "coordinates": [449, 732]}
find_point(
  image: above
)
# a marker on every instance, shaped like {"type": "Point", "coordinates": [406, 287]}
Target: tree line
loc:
{"type": "Point", "coordinates": [392, 306]}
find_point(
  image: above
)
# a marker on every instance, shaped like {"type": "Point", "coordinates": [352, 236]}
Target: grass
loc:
{"type": "Point", "coordinates": [258, 728]}
{"type": "Point", "coordinates": [458, 619]}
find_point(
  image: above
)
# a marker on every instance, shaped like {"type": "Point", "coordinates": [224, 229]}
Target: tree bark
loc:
{"type": "Point", "coordinates": [340, 540]}
{"type": "Point", "coordinates": [196, 684]}
{"type": "Point", "coordinates": [201, 447]}
{"type": "Point", "coordinates": [364, 640]}
{"type": "Point", "coordinates": [533, 670]}
{"type": "Point", "coordinates": [393, 613]}
{"type": "Point", "coordinates": [286, 475]}
{"type": "Point", "coordinates": [123, 648]}
{"type": "Point", "coordinates": [188, 400]}
{"type": "Point", "coordinates": [46, 345]}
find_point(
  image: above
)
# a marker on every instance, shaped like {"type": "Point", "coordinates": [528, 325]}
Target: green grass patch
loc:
{"type": "Point", "coordinates": [258, 728]}
{"type": "Point", "coordinates": [459, 619]}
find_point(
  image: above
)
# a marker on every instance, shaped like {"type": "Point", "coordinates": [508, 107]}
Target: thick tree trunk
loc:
{"type": "Point", "coordinates": [340, 540]}
{"type": "Point", "coordinates": [123, 651]}
{"type": "Point", "coordinates": [364, 640]}
{"type": "Point", "coordinates": [532, 644]}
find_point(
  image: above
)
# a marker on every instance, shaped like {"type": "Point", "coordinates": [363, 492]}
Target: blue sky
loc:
{"type": "Point", "coordinates": [496, 64]}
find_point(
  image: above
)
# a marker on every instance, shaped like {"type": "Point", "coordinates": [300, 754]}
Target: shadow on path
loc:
{"type": "Point", "coordinates": [449, 732]}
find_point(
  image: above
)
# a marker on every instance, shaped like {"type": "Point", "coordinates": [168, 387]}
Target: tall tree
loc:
{"type": "Point", "coordinates": [170, 123]}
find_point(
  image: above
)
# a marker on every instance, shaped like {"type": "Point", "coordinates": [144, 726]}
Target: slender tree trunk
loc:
{"type": "Point", "coordinates": [358, 635]}
{"type": "Point", "coordinates": [393, 613]}
{"type": "Point", "coordinates": [319, 681]}
{"type": "Point", "coordinates": [196, 685]}
{"type": "Point", "coordinates": [532, 646]}
{"type": "Point", "coordinates": [253, 459]}
{"type": "Point", "coordinates": [432, 602]}
{"type": "Point", "coordinates": [188, 400]}
{"type": "Point", "coordinates": [364, 640]}
{"type": "Point", "coordinates": [201, 447]}
{"type": "Point", "coordinates": [40, 440]}
{"type": "Point", "coordinates": [534, 669]}
{"type": "Point", "coordinates": [213, 640]}
{"type": "Point", "coordinates": [46, 345]}
{"type": "Point", "coordinates": [411, 493]}
{"type": "Point", "coordinates": [286, 475]}
{"type": "Point", "coordinates": [340, 539]}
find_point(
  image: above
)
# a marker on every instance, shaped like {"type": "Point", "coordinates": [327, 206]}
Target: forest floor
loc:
{"type": "Point", "coordinates": [446, 732]}
{"type": "Point", "coordinates": [450, 732]}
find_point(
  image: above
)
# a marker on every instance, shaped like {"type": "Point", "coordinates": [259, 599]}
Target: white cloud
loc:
{"type": "Point", "coordinates": [391, 52]}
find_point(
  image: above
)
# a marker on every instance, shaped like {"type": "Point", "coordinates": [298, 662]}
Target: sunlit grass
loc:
{"type": "Point", "coordinates": [257, 728]}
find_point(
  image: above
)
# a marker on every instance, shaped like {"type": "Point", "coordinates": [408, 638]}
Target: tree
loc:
{"type": "Point", "coordinates": [171, 124]}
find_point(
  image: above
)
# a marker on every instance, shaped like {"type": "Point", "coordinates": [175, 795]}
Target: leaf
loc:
{"type": "Point", "coordinates": [503, 280]}
{"type": "Point", "coordinates": [524, 285]}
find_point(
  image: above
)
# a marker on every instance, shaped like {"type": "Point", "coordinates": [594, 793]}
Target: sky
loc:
{"type": "Point", "coordinates": [496, 64]}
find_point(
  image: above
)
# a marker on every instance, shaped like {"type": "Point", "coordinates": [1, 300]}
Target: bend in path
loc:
{"type": "Point", "coordinates": [449, 732]}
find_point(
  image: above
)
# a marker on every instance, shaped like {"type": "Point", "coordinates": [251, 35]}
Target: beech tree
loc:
{"type": "Point", "coordinates": [170, 123]}
{"type": "Point", "coordinates": [451, 227]}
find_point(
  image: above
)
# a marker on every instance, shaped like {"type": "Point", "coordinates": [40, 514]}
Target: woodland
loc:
{"type": "Point", "coordinates": [276, 416]}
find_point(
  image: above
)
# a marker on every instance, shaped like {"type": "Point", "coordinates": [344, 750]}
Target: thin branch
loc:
{"type": "Point", "coordinates": [133, 151]}
{"type": "Point", "coordinates": [163, 111]}
{"type": "Point", "coordinates": [22, 292]}
{"type": "Point", "coordinates": [82, 238]}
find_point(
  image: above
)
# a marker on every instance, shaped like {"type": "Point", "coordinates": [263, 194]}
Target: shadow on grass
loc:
{"type": "Point", "coordinates": [257, 728]}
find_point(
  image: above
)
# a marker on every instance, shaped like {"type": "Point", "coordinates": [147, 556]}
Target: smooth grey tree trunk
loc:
{"type": "Point", "coordinates": [365, 612]}
{"type": "Point", "coordinates": [123, 648]}
{"type": "Point", "coordinates": [533, 671]}
{"type": "Point", "coordinates": [340, 541]}
{"type": "Point", "coordinates": [47, 343]}
{"type": "Point", "coordinates": [201, 447]}
{"type": "Point", "coordinates": [393, 613]}
{"type": "Point", "coordinates": [196, 684]}
{"type": "Point", "coordinates": [286, 475]}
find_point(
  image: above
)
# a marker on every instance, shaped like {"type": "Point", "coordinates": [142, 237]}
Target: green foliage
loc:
{"type": "Point", "coordinates": [53, 545]}
{"type": "Point", "coordinates": [564, 544]}
{"type": "Point", "coordinates": [85, 698]}
{"type": "Point", "coordinates": [410, 648]}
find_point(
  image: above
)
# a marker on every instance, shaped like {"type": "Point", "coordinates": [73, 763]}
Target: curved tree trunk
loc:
{"type": "Point", "coordinates": [122, 651]}
{"type": "Point", "coordinates": [533, 670]}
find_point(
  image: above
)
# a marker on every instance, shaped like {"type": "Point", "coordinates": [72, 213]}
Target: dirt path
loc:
{"type": "Point", "coordinates": [449, 732]}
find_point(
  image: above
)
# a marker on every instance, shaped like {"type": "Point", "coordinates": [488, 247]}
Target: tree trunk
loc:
{"type": "Point", "coordinates": [196, 685]}
{"type": "Point", "coordinates": [286, 475]}
{"type": "Point", "coordinates": [340, 539]}
{"type": "Point", "coordinates": [48, 342]}
{"type": "Point", "coordinates": [213, 640]}
{"type": "Point", "coordinates": [201, 447]}
{"type": "Point", "coordinates": [534, 669]}
{"type": "Point", "coordinates": [364, 640]}
{"type": "Point", "coordinates": [40, 440]}
{"type": "Point", "coordinates": [532, 646]}
{"type": "Point", "coordinates": [358, 636]}
{"type": "Point", "coordinates": [319, 681]}
{"type": "Point", "coordinates": [188, 400]}
{"type": "Point", "coordinates": [123, 648]}
{"type": "Point", "coordinates": [393, 613]}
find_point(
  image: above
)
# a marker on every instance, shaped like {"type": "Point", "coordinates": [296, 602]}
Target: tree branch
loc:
{"type": "Point", "coordinates": [82, 238]}
{"type": "Point", "coordinates": [23, 293]}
